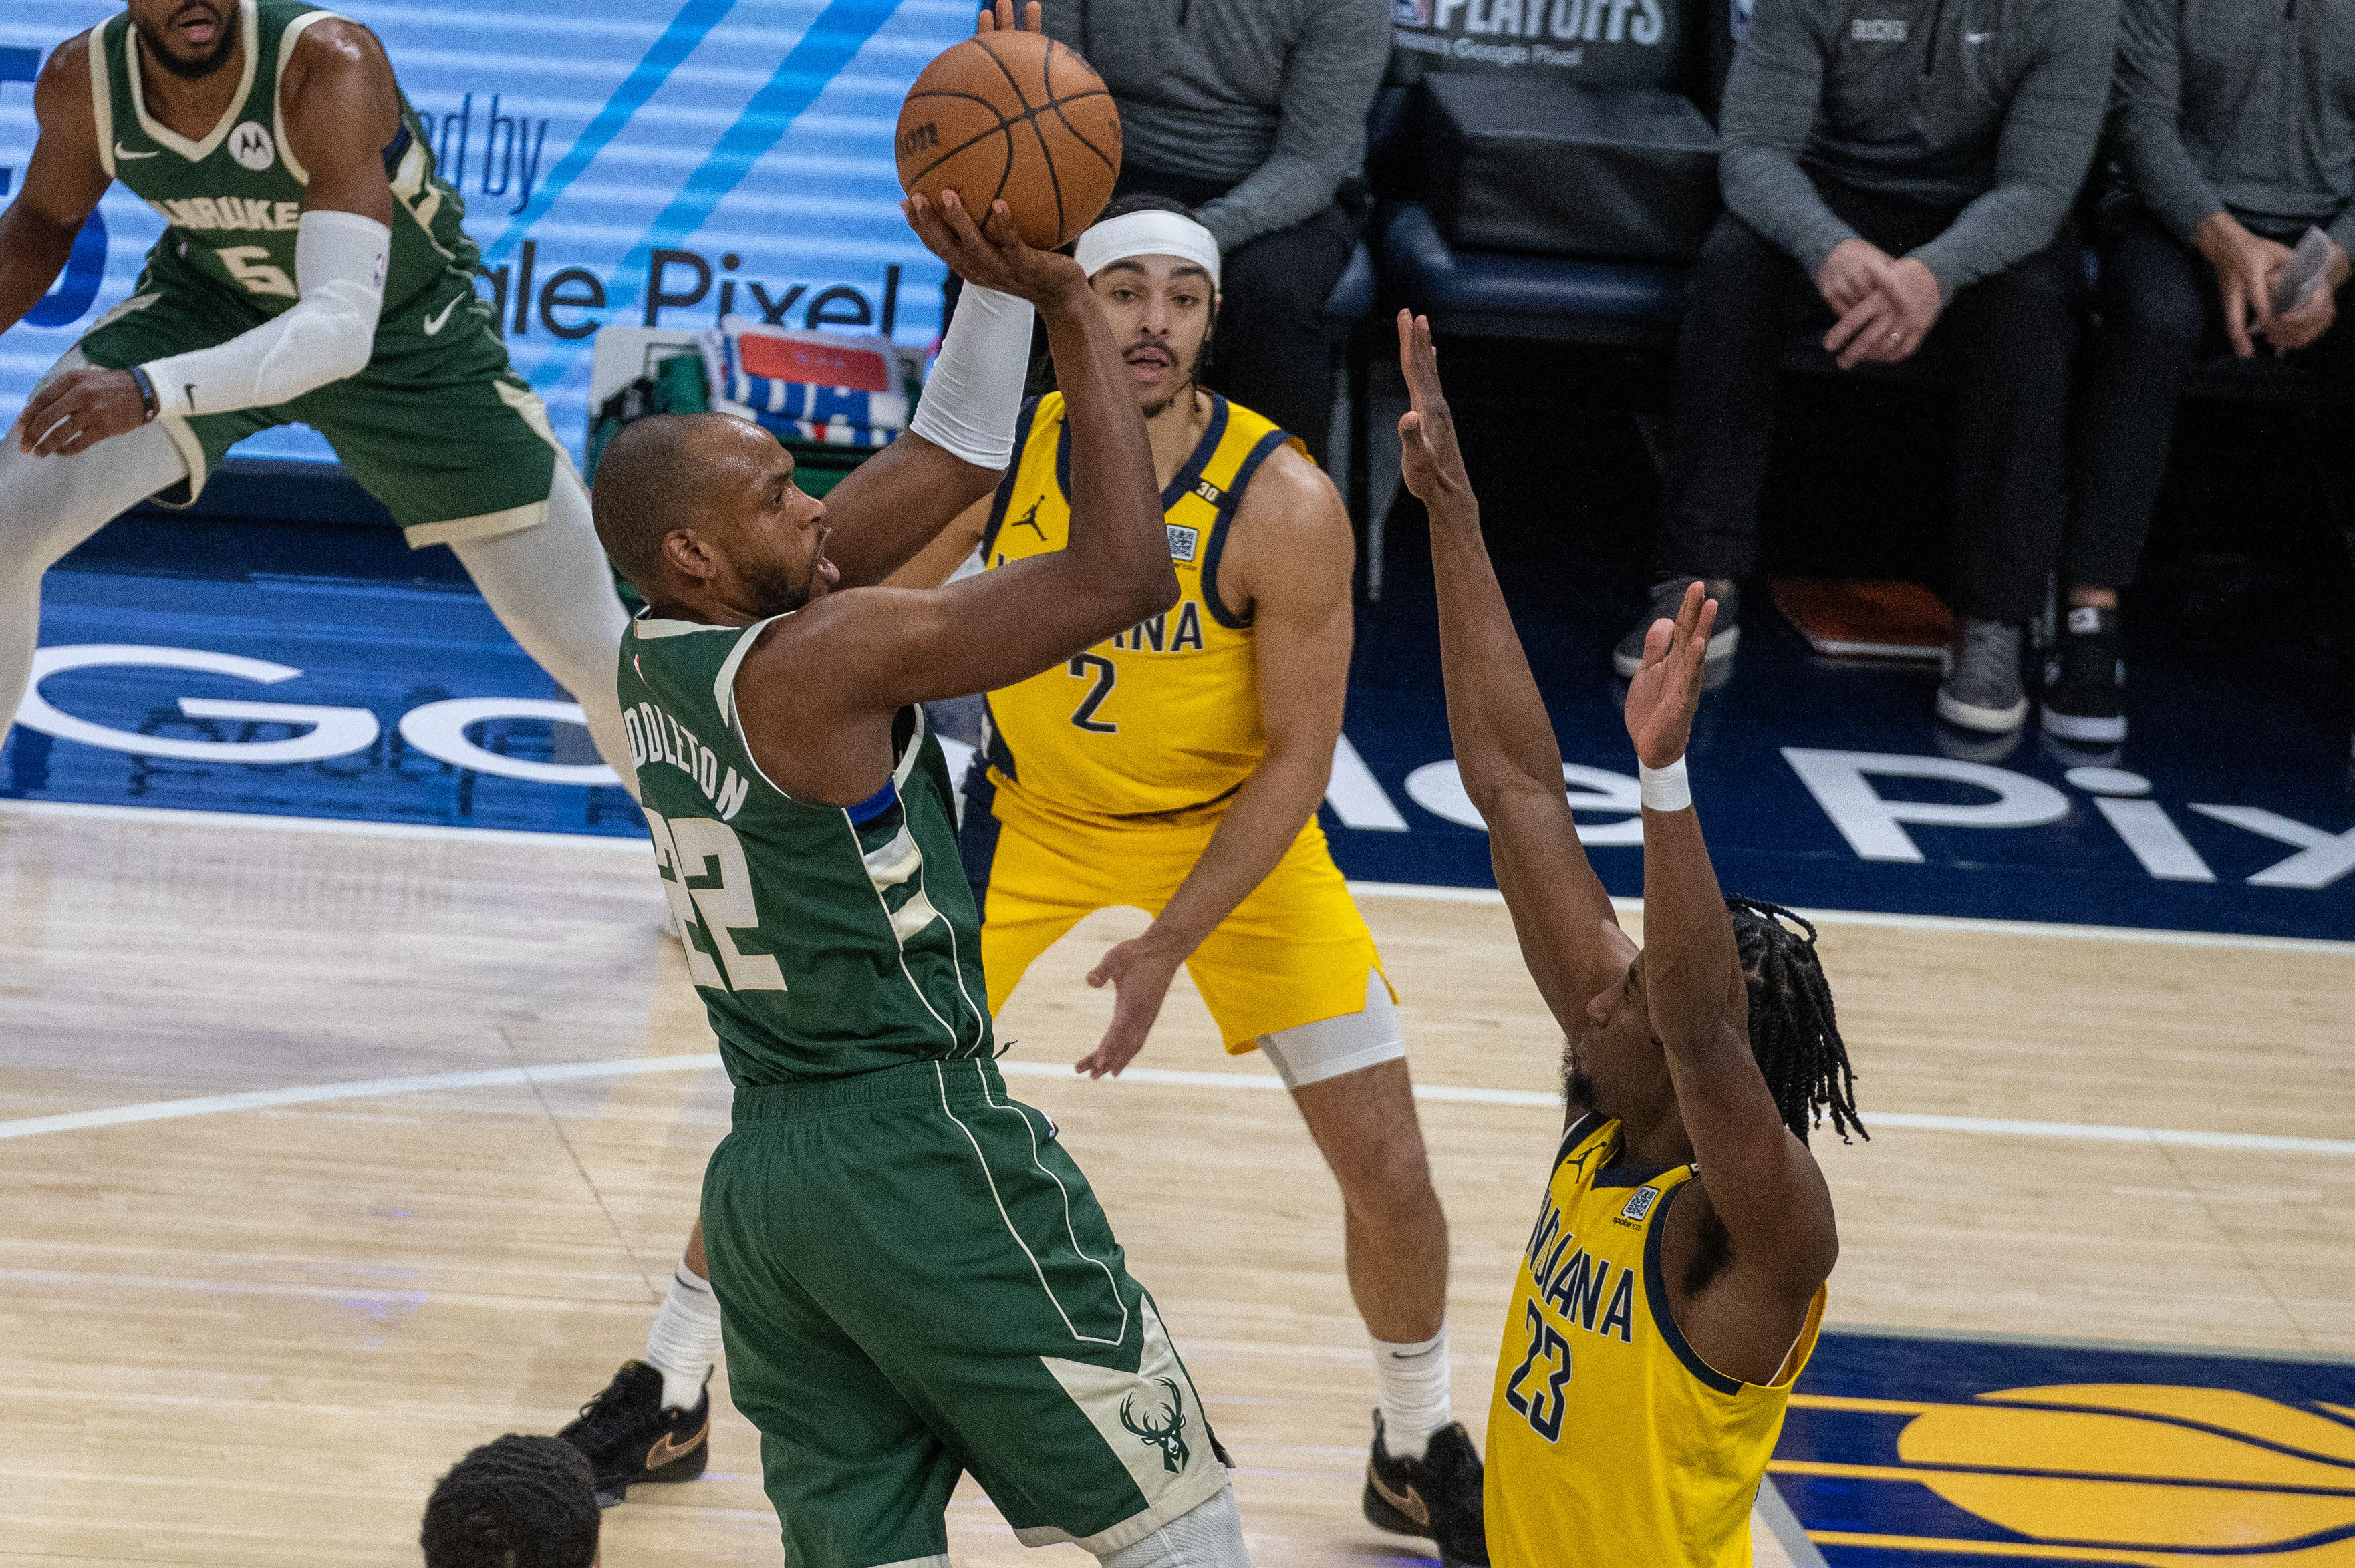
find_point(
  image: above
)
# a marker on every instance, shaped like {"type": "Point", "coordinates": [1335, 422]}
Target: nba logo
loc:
{"type": "Point", "coordinates": [1641, 1203]}
{"type": "Point", "coordinates": [1411, 13]}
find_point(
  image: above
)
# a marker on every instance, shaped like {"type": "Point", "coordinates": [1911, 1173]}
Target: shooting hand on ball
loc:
{"type": "Point", "coordinates": [992, 255]}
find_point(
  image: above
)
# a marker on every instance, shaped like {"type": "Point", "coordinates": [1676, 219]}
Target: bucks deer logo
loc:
{"type": "Point", "coordinates": [1166, 1434]}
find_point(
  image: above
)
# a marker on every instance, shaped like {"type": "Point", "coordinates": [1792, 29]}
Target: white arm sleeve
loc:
{"type": "Point", "coordinates": [974, 392]}
{"type": "Point", "coordinates": [326, 336]}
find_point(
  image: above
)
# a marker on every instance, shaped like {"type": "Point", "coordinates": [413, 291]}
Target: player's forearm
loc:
{"type": "Point", "coordinates": [1117, 559]}
{"type": "Point", "coordinates": [906, 495]}
{"type": "Point", "coordinates": [1498, 723]}
{"type": "Point", "coordinates": [1690, 978]}
{"type": "Point", "coordinates": [1266, 815]}
{"type": "Point", "coordinates": [33, 252]}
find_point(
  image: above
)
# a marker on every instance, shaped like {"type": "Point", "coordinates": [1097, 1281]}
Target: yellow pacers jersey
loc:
{"type": "Point", "coordinates": [1164, 716]}
{"type": "Point", "coordinates": [1610, 1442]}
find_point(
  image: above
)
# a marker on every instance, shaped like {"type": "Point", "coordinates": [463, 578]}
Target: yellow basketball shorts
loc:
{"type": "Point", "coordinates": [1294, 951]}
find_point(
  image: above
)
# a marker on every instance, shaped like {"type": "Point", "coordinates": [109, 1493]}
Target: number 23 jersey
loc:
{"type": "Point", "coordinates": [1164, 716]}
{"type": "Point", "coordinates": [1611, 1442]}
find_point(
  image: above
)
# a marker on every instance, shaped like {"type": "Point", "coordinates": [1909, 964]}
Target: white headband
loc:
{"type": "Point", "coordinates": [1148, 233]}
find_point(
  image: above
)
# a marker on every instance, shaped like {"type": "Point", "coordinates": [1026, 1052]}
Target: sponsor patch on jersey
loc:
{"type": "Point", "coordinates": [1877, 30]}
{"type": "Point", "coordinates": [251, 145]}
{"type": "Point", "coordinates": [1183, 542]}
{"type": "Point", "coordinates": [1641, 1203]}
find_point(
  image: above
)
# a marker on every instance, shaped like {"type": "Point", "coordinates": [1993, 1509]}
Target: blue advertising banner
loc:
{"type": "Point", "coordinates": [648, 162]}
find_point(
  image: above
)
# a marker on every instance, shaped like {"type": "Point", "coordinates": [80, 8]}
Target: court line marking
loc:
{"type": "Point", "coordinates": [627, 1066]}
{"type": "Point", "coordinates": [264, 822]}
{"type": "Point", "coordinates": [258, 821]}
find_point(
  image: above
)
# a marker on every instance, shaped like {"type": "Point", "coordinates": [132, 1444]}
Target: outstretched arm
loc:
{"type": "Point", "coordinates": [1761, 1179]}
{"type": "Point", "coordinates": [882, 648]}
{"type": "Point", "coordinates": [1505, 745]}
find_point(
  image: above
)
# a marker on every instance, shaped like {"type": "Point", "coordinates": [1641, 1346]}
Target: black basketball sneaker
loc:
{"type": "Point", "coordinates": [628, 1436]}
{"type": "Point", "coordinates": [1437, 1496]}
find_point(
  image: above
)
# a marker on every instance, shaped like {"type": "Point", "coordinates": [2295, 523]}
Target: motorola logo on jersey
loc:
{"type": "Point", "coordinates": [251, 145]}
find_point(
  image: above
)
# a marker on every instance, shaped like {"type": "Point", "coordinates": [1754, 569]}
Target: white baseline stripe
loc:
{"type": "Point", "coordinates": [260, 822]}
{"type": "Point", "coordinates": [627, 1066]}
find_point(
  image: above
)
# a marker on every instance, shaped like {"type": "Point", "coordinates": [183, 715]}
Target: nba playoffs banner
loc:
{"type": "Point", "coordinates": [633, 163]}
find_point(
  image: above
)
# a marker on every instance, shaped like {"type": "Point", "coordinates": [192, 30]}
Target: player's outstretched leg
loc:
{"type": "Point", "coordinates": [551, 587]}
{"type": "Point", "coordinates": [49, 504]}
{"type": "Point", "coordinates": [653, 1422]}
{"type": "Point", "coordinates": [1349, 1075]}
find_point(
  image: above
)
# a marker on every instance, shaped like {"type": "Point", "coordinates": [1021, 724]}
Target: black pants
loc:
{"type": "Point", "coordinates": [2010, 337]}
{"type": "Point", "coordinates": [2161, 310]}
{"type": "Point", "coordinates": [1273, 351]}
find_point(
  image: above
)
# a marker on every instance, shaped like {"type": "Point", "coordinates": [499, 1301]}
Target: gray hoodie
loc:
{"type": "Point", "coordinates": [1992, 103]}
{"type": "Point", "coordinates": [1271, 94]}
{"type": "Point", "coordinates": [2240, 106]}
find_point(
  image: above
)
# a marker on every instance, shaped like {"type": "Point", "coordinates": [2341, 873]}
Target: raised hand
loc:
{"type": "Point", "coordinates": [1666, 692]}
{"type": "Point", "coordinates": [1139, 972]}
{"type": "Point", "coordinates": [999, 18]}
{"type": "Point", "coordinates": [1428, 457]}
{"type": "Point", "coordinates": [991, 255]}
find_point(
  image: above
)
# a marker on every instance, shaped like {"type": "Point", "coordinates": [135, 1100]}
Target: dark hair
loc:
{"type": "Point", "coordinates": [1042, 364]}
{"type": "Point", "coordinates": [518, 1503]}
{"type": "Point", "coordinates": [1793, 1030]}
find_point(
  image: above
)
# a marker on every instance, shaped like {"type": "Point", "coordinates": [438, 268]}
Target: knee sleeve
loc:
{"type": "Point", "coordinates": [1209, 1535]}
{"type": "Point", "coordinates": [552, 588]}
{"type": "Point", "coordinates": [1333, 1047]}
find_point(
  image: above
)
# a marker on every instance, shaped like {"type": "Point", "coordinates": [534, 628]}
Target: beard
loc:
{"type": "Point", "coordinates": [224, 39]}
{"type": "Point", "coordinates": [775, 589]}
{"type": "Point", "coordinates": [1186, 388]}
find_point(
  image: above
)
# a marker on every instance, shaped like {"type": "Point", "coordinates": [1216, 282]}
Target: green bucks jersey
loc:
{"type": "Point", "coordinates": [825, 939]}
{"type": "Point", "coordinates": [234, 198]}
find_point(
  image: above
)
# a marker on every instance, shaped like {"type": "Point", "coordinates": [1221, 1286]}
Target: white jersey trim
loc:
{"type": "Point", "coordinates": [249, 22]}
{"type": "Point", "coordinates": [102, 98]}
{"type": "Point", "coordinates": [286, 40]}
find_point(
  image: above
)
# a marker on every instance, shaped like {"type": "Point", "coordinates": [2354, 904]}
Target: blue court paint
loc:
{"type": "Point", "coordinates": [1905, 1452]}
{"type": "Point", "coordinates": [1808, 776]}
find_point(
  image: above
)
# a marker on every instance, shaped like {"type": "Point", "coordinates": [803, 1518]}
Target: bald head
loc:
{"type": "Point", "coordinates": [701, 513]}
{"type": "Point", "coordinates": [663, 473]}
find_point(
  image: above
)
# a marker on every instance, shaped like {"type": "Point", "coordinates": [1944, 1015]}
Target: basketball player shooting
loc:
{"type": "Point", "coordinates": [1674, 1282]}
{"type": "Point", "coordinates": [315, 270]}
{"type": "Point", "coordinates": [915, 1279]}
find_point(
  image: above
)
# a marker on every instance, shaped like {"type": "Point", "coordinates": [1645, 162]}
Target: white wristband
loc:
{"type": "Point", "coordinates": [975, 390]}
{"type": "Point", "coordinates": [1665, 788]}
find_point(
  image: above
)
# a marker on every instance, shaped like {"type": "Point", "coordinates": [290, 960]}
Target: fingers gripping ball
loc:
{"type": "Point", "coordinates": [1018, 117]}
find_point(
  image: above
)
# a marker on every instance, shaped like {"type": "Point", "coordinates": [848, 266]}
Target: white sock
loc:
{"type": "Point", "coordinates": [684, 1340]}
{"type": "Point", "coordinates": [1412, 1379]}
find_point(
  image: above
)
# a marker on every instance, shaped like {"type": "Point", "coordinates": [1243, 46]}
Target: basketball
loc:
{"type": "Point", "coordinates": [1018, 117]}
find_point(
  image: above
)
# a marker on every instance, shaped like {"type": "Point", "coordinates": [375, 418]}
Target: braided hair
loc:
{"type": "Point", "coordinates": [1793, 1032]}
{"type": "Point", "coordinates": [518, 1503]}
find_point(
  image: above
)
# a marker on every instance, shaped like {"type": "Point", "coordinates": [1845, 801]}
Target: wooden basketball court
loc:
{"type": "Point", "coordinates": [253, 1332]}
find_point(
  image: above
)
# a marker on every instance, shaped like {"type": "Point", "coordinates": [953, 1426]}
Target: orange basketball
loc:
{"type": "Point", "coordinates": [1016, 117]}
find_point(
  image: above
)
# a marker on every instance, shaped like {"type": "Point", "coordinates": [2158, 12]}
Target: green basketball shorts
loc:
{"type": "Point", "coordinates": [436, 427]}
{"type": "Point", "coordinates": [916, 1281]}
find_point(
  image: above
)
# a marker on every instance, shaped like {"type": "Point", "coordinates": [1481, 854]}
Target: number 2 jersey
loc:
{"type": "Point", "coordinates": [825, 940]}
{"type": "Point", "coordinates": [1611, 1442]}
{"type": "Point", "coordinates": [234, 198]}
{"type": "Point", "coordinates": [1164, 716]}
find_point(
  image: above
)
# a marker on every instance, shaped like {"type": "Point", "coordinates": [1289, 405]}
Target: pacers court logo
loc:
{"type": "Point", "coordinates": [2100, 1470]}
{"type": "Point", "coordinates": [251, 145]}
